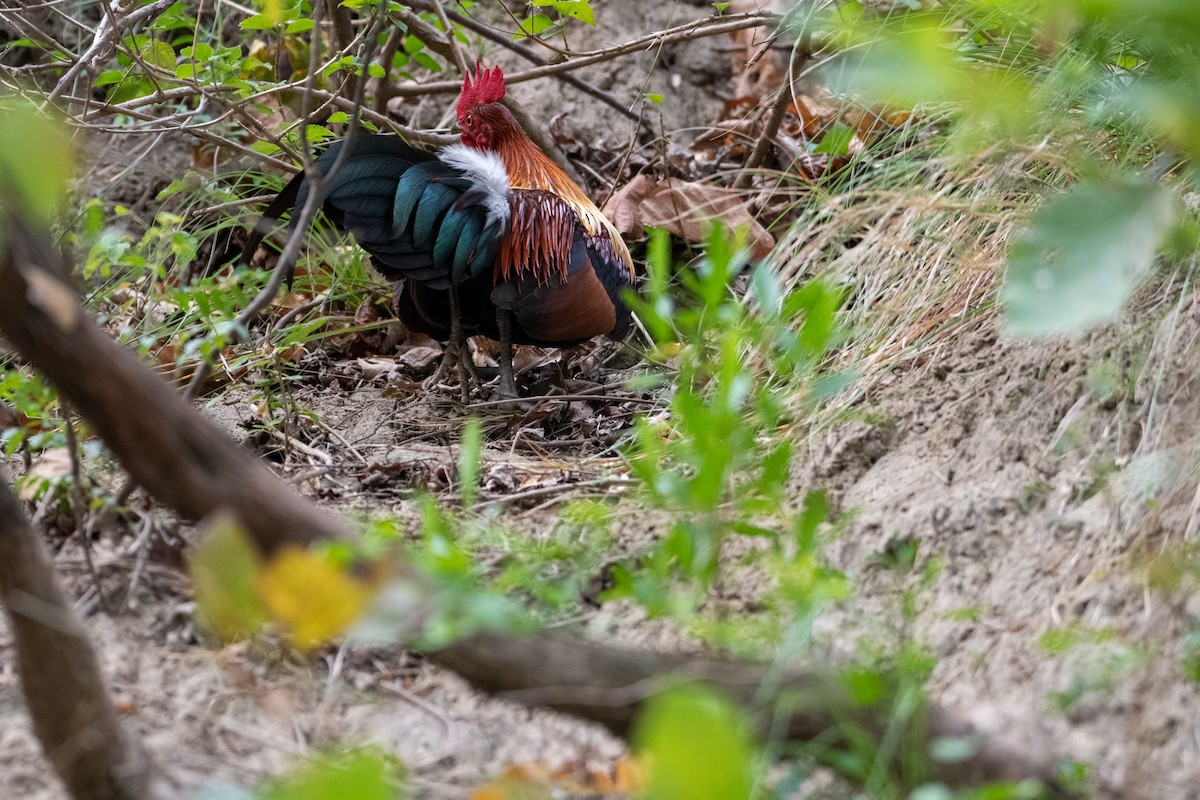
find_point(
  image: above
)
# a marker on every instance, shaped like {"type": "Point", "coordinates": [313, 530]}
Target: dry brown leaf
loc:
{"type": "Point", "coordinates": [623, 209]}
{"type": "Point", "coordinates": [806, 119]}
{"type": "Point", "coordinates": [419, 360]}
{"type": "Point", "coordinates": [290, 301]}
{"type": "Point", "coordinates": [684, 208]}
{"type": "Point", "coordinates": [366, 313]}
{"type": "Point", "coordinates": [872, 124]}
{"type": "Point", "coordinates": [374, 367]}
{"type": "Point", "coordinates": [293, 353]}
{"type": "Point", "coordinates": [167, 354]}
{"type": "Point", "coordinates": [736, 136]}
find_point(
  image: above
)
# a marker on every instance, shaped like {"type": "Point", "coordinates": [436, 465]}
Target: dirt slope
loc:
{"type": "Point", "coordinates": [1042, 504]}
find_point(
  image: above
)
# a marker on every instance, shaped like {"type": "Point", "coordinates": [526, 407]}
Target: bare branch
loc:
{"type": "Point", "coordinates": [459, 59]}
{"type": "Point", "coordinates": [709, 26]}
{"type": "Point", "coordinates": [122, 16]}
{"type": "Point", "coordinates": [502, 39]}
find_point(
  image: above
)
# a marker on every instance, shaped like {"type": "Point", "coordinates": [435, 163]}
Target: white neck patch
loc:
{"type": "Point", "coordinates": [488, 176]}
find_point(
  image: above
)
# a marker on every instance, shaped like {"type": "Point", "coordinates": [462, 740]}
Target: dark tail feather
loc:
{"type": "Point", "coordinates": [283, 202]}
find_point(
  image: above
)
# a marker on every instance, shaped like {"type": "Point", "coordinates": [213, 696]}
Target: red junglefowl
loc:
{"type": "Point", "coordinates": [489, 236]}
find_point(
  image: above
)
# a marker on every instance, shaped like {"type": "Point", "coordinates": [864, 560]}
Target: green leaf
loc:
{"type": "Point", "coordinates": [837, 141]}
{"type": "Point", "coordinates": [275, 11]}
{"type": "Point", "coordinates": [533, 26]}
{"type": "Point", "coordinates": [866, 686]}
{"type": "Point", "coordinates": [198, 52]}
{"type": "Point", "coordinates": [258, 22]}
{"type": "Point", "coordinates": [376, 71]}
{"type": "Point", "coordinates": [347, 63]}
{"type": "Point", "coordinates": [133, 87]}
{"type": "Point", "coordinates": [225, 569]}
{"type": "Point", "coordinates": [698, 747]}
{"type": "Point", "coordinates": [109, 77]}
{"type": "Point", "coordinates": [338, 117]}
{"type": "Point", "coordinates": [132, 43]}
{"type": "Point", "coordinates": [265, 147]}
{"type": "Point", "coordinates": [468, 461]}
{"type": "Point", "coordinates": [577, 9]}
{"type": "Point", "coordinates": [816, 511]}
{"type": "Point", "coordinates": [36, 157]}
{"type": "Point", "coordinates": [655, 98]}
{"type": "Point", "coordinates": [175, 18]}
{"type": "Point", "coordinates": [1083, 255]}
{"type": "Point", "coordinates": [427, 61]}
{"type": "Point", "coordinates": [317, 133]}
{"type": "Point", "coordinates": [360, 774]}
{"type": "Point", "coordinates": [160, 54]}
{"type": "Point", "coordinates": [299, 26]}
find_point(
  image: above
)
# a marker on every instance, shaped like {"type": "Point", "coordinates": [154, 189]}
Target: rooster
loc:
{"type": "Point", "coordinates": [489, 236]}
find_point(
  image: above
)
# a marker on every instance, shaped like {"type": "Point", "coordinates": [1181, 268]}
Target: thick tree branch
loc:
{"type": "Point", "coordinates": [609, 685]}
{"type": "Point", "coordinates": [72, 714]}
{"type": "Point", "coordinates": [176, 454]}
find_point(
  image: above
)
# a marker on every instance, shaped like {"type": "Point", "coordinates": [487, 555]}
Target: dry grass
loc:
{"type": "Point", "coordinates": [920, 244]}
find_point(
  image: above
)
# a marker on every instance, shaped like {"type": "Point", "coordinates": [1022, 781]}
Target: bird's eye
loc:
{"type": "Point", "coordinates": [470, 120]}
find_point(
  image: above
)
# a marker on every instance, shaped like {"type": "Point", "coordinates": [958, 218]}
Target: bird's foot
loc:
{"type": "Point", "coordinates": [468, 375]}
{"type": "Point", "coordinates": [439, 375]}
{"type": "Point", "coordinates": [506, 390]}
{"type": "Point", "coordinates": [457, 357]}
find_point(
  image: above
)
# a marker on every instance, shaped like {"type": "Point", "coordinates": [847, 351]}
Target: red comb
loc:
{"type": "Point", "coordinates": [487, 86]}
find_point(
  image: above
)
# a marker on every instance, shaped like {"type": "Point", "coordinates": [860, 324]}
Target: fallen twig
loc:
{"type": "Point", "coordinates": [565, 398]}
{"type": "Point", "coordinates": [558, 488]}
{"type": "Point", "coordinates": [779, 109]}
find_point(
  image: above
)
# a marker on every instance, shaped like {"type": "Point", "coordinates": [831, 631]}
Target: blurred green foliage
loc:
{"type": "Point", "coordinates": [1003, 75]}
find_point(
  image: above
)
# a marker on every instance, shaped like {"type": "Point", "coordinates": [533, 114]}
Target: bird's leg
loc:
{"type": "Point", "coordinates": [459, 351]}
{"type": "Point", "coordinates": [456, 353]}
{"type": "Point", "coordinates": [508, 383]}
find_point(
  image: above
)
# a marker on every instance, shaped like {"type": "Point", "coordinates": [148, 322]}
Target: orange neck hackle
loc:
{"type": "Point", "coordinates": [488, 125]}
